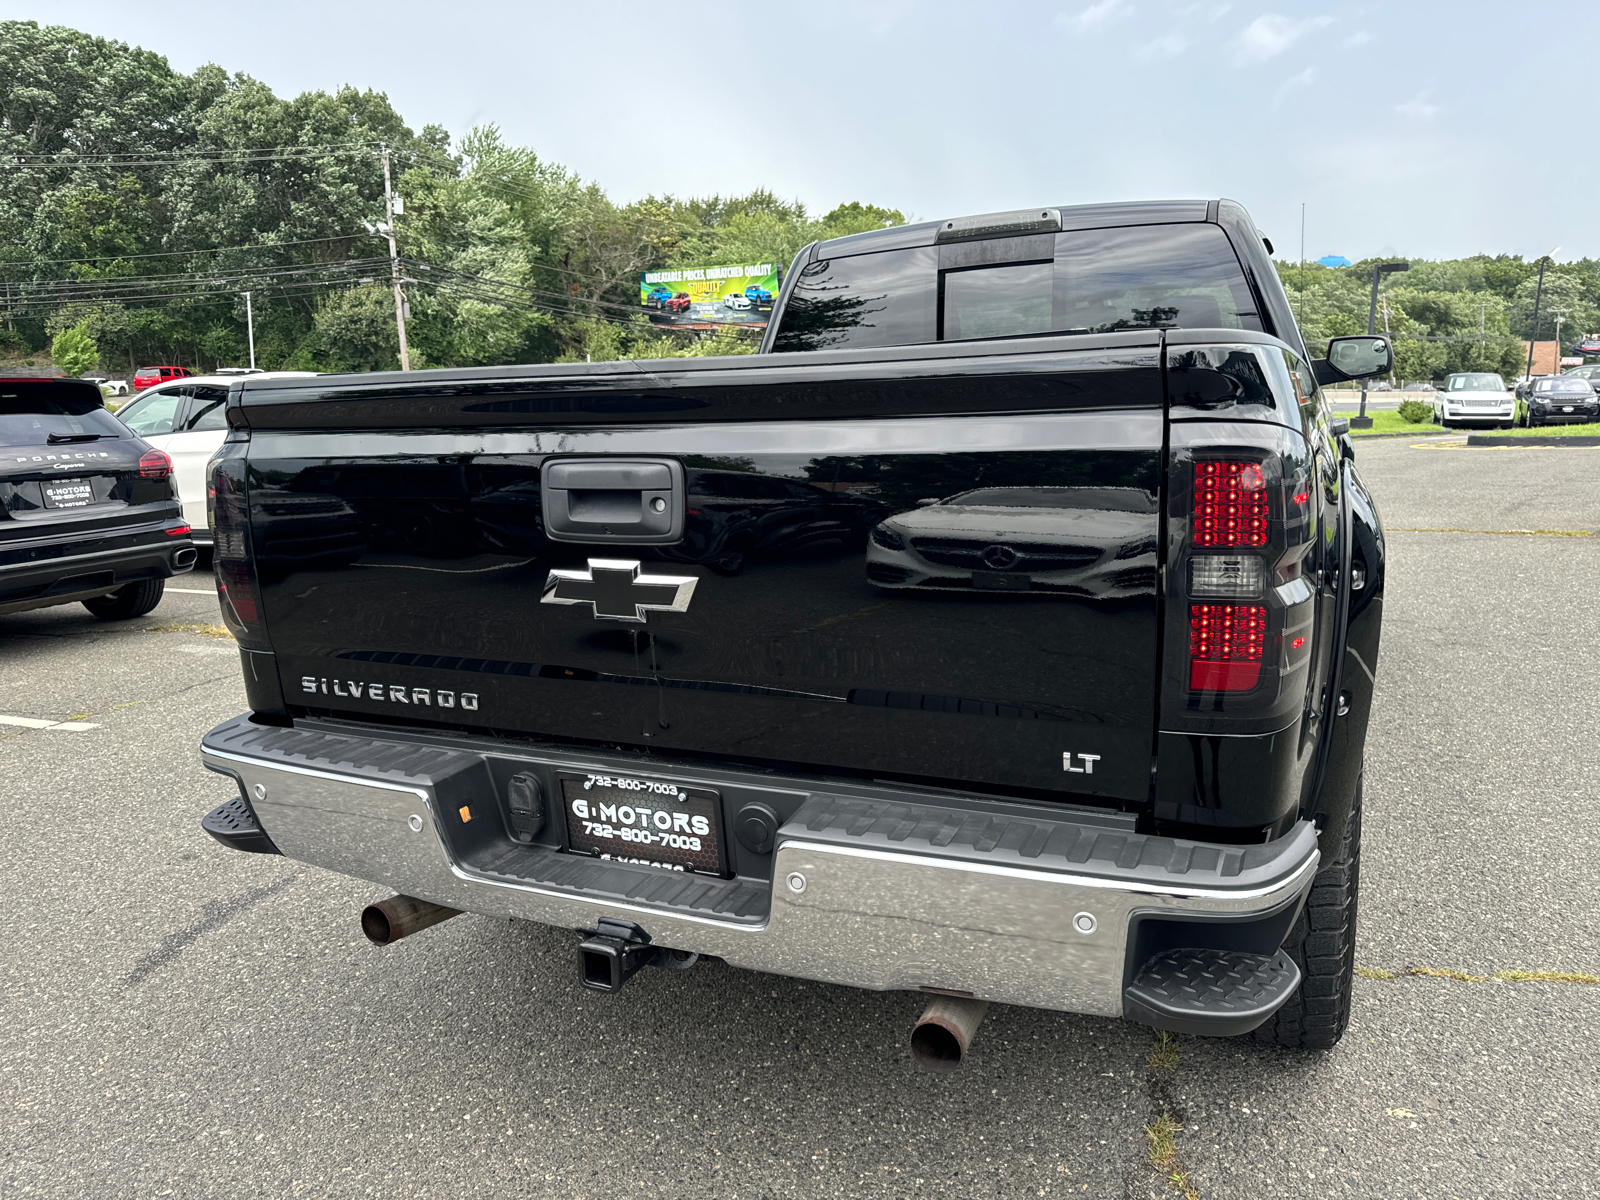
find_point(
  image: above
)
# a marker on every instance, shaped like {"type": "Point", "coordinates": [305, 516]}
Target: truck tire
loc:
{"type": "Point", "coordinates": [1323, 945]}
{"type": "Point", "coordinates": [133, 600]}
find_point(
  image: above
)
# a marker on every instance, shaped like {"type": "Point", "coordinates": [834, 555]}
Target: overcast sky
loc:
{"type": "Point", "coordinates": [1415, 128]}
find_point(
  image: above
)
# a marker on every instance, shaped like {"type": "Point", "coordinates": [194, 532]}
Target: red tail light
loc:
{"type": "Point", "coordinates": [179, 531]}
{"type": "Point", "coordinates": [237, 591]}
{"type": "Point", "coordinates": [1226, 642]}
{"type": "Point", "coordinates": [1230, 504]}
{"type": "Point", "coordinates": [154, 464]}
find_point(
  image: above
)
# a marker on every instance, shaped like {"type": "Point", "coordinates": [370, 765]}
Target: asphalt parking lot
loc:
{"type": "Point", "coordinates": [180, 1020]}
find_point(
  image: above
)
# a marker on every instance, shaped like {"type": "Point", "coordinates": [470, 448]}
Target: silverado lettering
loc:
{"type": "Point", "coordinates": [395, 693]}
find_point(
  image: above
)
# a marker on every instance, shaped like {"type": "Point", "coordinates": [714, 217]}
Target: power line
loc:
{"type": "Point", "coordinates": [241, 157]}
{"type": "Point", "coordinates": [17, 262]}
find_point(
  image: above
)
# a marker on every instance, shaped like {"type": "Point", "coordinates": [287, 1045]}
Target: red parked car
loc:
{"type": "Point", "coordinates": [678, 304]}
{"type": "Point", "coordinates": [148, 377]}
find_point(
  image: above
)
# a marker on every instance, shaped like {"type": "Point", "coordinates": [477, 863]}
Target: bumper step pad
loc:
{"type": "Point", "coordinates": [234, 825]}
{"type": "Point", "coordinates": [1216, 993]}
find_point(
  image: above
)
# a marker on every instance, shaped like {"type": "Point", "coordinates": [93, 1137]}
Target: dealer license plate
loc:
{"type": "Point", "coordinates": [647, 821]}
{"type": "Point", "coordinates": [68, 493]}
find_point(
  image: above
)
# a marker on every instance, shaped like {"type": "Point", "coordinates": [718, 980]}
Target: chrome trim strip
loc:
{"type": "Point", "coordinates": [1091, 882]}
{"type": "Point", "coordinates": [363, 781]}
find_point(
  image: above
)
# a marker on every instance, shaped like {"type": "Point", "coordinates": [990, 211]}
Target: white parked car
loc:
{"type": "Point", "coordinates": [186, 418]}
{"type": "Point", "coordinates": [736, 300]}
{"type": "Point", "coordinates": [1474, 398]}
{"type": "Point", "coordinates": [112, 387]}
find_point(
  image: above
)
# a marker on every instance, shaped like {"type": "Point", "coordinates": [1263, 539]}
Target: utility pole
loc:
{"type": "Point", "coordinates": [250, 325]}
{"type": "Point", "coordinates": [394, 264]}
{"type": "Point", "coordinates": [1388, 335]}
{"type": "Point", "coordinates": [1560, 314]}
{"type": "Point", "coordinates": [1379, 270]}
{"type": "Point", "coordinates": [1538, 294]}
{"type": "Point", "coordinates": [1301, 275]}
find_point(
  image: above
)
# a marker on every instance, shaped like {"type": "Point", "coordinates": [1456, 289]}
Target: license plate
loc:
{"type": "Point", "coordinates": [1001, 581]}
{"type": "Point", "coordinates": [651, 822]}
{"type": "Point", "coordinates": [68, 493]}
{"type": "Point", "coordinates": [1567, 408]}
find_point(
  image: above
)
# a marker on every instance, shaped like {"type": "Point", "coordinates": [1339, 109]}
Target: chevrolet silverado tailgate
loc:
{"type": "Point", "coordinates": [935, 564]}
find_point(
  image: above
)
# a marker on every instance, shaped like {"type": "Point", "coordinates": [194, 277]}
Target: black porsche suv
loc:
{"type": "Point", "coordinates": [88, 511]}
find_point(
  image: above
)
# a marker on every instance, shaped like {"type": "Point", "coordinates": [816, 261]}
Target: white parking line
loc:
{"type": "Point", "coordinates": [194, 591]}
{"type": "Point", "coordinates": [36, 723]}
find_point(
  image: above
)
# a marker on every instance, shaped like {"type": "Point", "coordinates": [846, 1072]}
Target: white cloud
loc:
{"type": "Point", "coordinates": [1168, 45]}
{"type": "Point", "coordinates": [1294, 83]}
{"type": "Point", "coordinates": [1417, 108]}
{"type": "Point", "coordinates": [1205, 12]}
{"type": "Point", "coordinates": [1101, 12]}
{"type": "Point", "coordinates": [1269, 35]}
{"type": "Point", "coordinates": [1359, 38]}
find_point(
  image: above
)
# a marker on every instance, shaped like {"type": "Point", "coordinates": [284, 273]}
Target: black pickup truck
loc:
{"type": "Point", "coordinates": [88, 511]}
{"type": "Point", "coordinates": [1005, 631]}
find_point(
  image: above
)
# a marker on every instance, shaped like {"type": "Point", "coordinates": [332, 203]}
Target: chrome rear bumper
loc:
{"type": "Point", "coordinates": [855, 896]}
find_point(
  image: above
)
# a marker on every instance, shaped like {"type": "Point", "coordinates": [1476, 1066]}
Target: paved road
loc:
{"type": "Point", "coordinates": [177, 1019]}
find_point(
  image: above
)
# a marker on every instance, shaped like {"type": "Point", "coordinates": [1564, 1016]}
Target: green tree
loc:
{"type": "Point", "coordinates": [73, 350]}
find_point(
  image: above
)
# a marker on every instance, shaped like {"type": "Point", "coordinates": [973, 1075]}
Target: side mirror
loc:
{"type": "Point", "coordinates": [1355, 358]}
{"type": "Point", "coordinates": [1339, 426]}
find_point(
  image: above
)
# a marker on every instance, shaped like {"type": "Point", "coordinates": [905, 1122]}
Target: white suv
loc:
{"type": "Point", "coordinates": [186, 418]}
{"type": "Point", "coordinates": [1474, 398]}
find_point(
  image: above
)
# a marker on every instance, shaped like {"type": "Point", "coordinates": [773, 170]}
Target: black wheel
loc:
{"type": "Point", "coordinates": [133, 600]}
{"type": "Point", "coordinates": [1323, 945]}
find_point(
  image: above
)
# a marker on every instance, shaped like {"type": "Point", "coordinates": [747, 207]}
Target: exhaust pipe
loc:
{"type": "Point", "coordinates": [400, 916]}
{"type": "Point", "coordinates": [185, 557]}
{"type": "Point", "coordinates": [941, 1036]}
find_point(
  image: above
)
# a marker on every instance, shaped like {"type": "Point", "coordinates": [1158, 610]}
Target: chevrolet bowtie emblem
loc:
{"type": "Point", "coordinates": [616, 590]}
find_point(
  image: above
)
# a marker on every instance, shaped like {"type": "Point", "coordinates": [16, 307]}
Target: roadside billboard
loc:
{"type": "Point", "coordinates": [739, 294]}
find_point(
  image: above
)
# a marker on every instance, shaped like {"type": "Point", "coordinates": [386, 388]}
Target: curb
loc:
{"type": "Point", "coordinates": [1577, 441]}
{"type": "Point", "coordinates": [1421, 431]}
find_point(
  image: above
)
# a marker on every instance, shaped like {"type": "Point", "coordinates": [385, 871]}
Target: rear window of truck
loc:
{"type": "Point", "coordinates": [31, 412]}
{"type": "Point", "coordinates": [1087, 281]}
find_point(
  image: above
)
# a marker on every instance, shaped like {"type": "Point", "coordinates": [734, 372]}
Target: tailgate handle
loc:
{"type": "Point", "coordinates": [637, 501]}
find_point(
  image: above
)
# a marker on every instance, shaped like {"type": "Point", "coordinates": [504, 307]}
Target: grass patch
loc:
{"type": "Point", "coordinates": [1376, 973]}
{"type": "Point", "coordinates": [1589, 429]}
{"type": "Point", "coordinates": [1511, 976]}
{"type": "Point", "coordinates": [1164, 1054]}
{"type": "Point", "coordinates": [214, 631]}
{"type": "Point", "coordinates": [1161, 1136]}
{"type": "Point", "coordinates": [1389, 420]}
{"type": "Point", "coordinates": [1499, 532]}
{"type": "Point", "coordinates": [1546, 977]}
